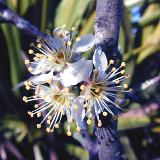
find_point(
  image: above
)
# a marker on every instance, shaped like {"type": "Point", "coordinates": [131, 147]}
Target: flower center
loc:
{"type": "Point", "coordinates": [61, 99]}
{"type": "Point", "coordinates": [96, 90]}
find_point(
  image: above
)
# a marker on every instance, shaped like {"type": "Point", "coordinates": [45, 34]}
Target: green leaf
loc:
{"type": "Point", "coordinates": [87, 26]}
{"type": "Point", "coordinates": [79, 152]}
{"type": "Point", "coordinates": [14, 127]}
{"type": "Point", "coordinates": [70, 12]}
{"type": "Point", "coordinates": [14, 51]}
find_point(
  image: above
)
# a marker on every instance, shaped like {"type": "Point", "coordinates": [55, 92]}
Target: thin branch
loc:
{"type": "Point", "coordinates": [8, 16]}
{"type": "Point", "coordinates": [107, 26]}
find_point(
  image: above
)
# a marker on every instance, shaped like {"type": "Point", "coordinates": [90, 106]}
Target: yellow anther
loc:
{"type": "Point", "coordinates": [38, 55]}
{"type": "Point", "coordinates": [26, 83]}
{"type": "Point", "coordinates": [36, 59]}
{"type": "Point", "coordinates": [69, 43]}
{"type": "Point", "coordinates": [30, 69]}
{"type": "Point", "coordinates": [69, 133]}
{"type": "Point", "coordinates": [78, 39]}
{"type": "Point", "coordinates": [123, 64]}
{"type": "Point", "coordinates": [75, 107]}
{"type": "Point", "coordinates": [39, 126]}
{"type": "Point", "coordinates": [30, 51]}
{"type": "Point", "coordinates": [26, 61]}
{"type": "Point", "coordinates": [99, 123]}
{"type": "Point", "coordinates": [28, 87]}
{"type": "Point", "coordinates": [89, 121]}
{"type": "Point", "coordinates": [29, 83]}
{"type": "Point", "coordinates": [39, 45]}
{"type": "Point", "coordinates": [30, 113]}
{"type": "Point", "coordinates": [122, 71]}
{"type": "Point", "coordinates": [111, 61]}
{"type": "Point", "coordinates": [125, 86]}
{"type": "Point", "coordinates": [48, 130]}
{"type": "Point", "coordinates": [49, 117]}
{"type": "Point", "coordinates": [82, 87]}
{"type": "Point", "coordinates": [105, 114]}
{"type": "Point", "coordinates": [78, 129]}
{"type": "Point", "coordinates": [56, 125]}
{"type": "Point", "coordinates": [113, 69]}
{"type": "Point", "coordinates": [36, 106]}
{"type": "Point", "coordinates": [39, 114]}
{"type": "Point", "coordinates": [48, 121]}
{"type": "Point", "coordinates": [52, 130]}
{"type": "Point", "coordinates": [73, 28]}
{"type": "Point", "coordinates": [24, 98]}
{"type": "Point", "coordinates": [117, 81]}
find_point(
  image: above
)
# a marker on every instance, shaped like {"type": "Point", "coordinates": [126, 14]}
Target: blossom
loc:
{"type": "Point", "coordinates": [56, 101]}
{"type": "Point", "coordinates": [58, 52]}
{"type": "Point", "coordinates": [103, 88]}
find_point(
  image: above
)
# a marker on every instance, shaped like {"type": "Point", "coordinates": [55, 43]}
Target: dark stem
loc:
{"type": "Point", "coordinates": [107, 26]}
{"type": "Point", "coordinates": [8, 16]}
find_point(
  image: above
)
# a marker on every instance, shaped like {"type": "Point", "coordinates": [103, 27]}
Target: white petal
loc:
{"type": "Point", "coordinates": [86, 42]}
{"type": "Point", "coordinates": [79, 114]}
{"type": "Point", "coordinates": [76, 72]}
{"type": "Point", "coordinates": [41, 67]}
{"type": "Point", "coordinates": [100, 60]}
{"type": "Point", "coordinates": [45, 92]}
{"type": "Point", "coordinates": [43, 78]}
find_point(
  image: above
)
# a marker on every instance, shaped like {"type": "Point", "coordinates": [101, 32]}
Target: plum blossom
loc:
{"type": "Point", "coordinates": [60, 53]}
{"type": "Point", "coordinates": [56, 101]}
{"type": "Point", "coordinates": [104, 87]}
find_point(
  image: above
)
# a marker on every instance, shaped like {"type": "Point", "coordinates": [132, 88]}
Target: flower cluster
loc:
{"type": "Point", "coordinates": [64, 83]}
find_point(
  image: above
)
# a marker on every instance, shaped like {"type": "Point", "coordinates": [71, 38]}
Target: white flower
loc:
{"type": "Point", "coordinates": [56, 103]}
{"type": "Point", "coordinates": [104, 87]}
{"type": "Point", "coordinates": [76, 72]}
{"type": "Point", "coordinates": [57, 52]}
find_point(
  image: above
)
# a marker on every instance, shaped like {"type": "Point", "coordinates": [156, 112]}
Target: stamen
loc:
{"type": "Point", "coordinates": [89, 121]}
{"type": "Point", "coordinates": [82, 87]}
{"type": "Point", "coordinates": [26, 61]}
{"type": "Point", "coordinates": [111, 61]}
{"type": "Point", "coordinates": [99, 123]}
{"type": "Point", "coordinates": [39, 126]}
{"type": "Point", "coordinates": [30, 69]}
{"type": "Point", "coordinates": [105, 114]}
{"type": "Point", "coordinates": [125, 86]}
{"type": "Point", "coordinates": [30, 51]}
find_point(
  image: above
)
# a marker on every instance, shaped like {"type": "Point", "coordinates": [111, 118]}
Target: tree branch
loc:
{"type": "Point", "coordinates": [108, 16]}
{"type": "Point", "coordinates": [107, 26]}
{"type": "Point", "coordinates": [8, 16]}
